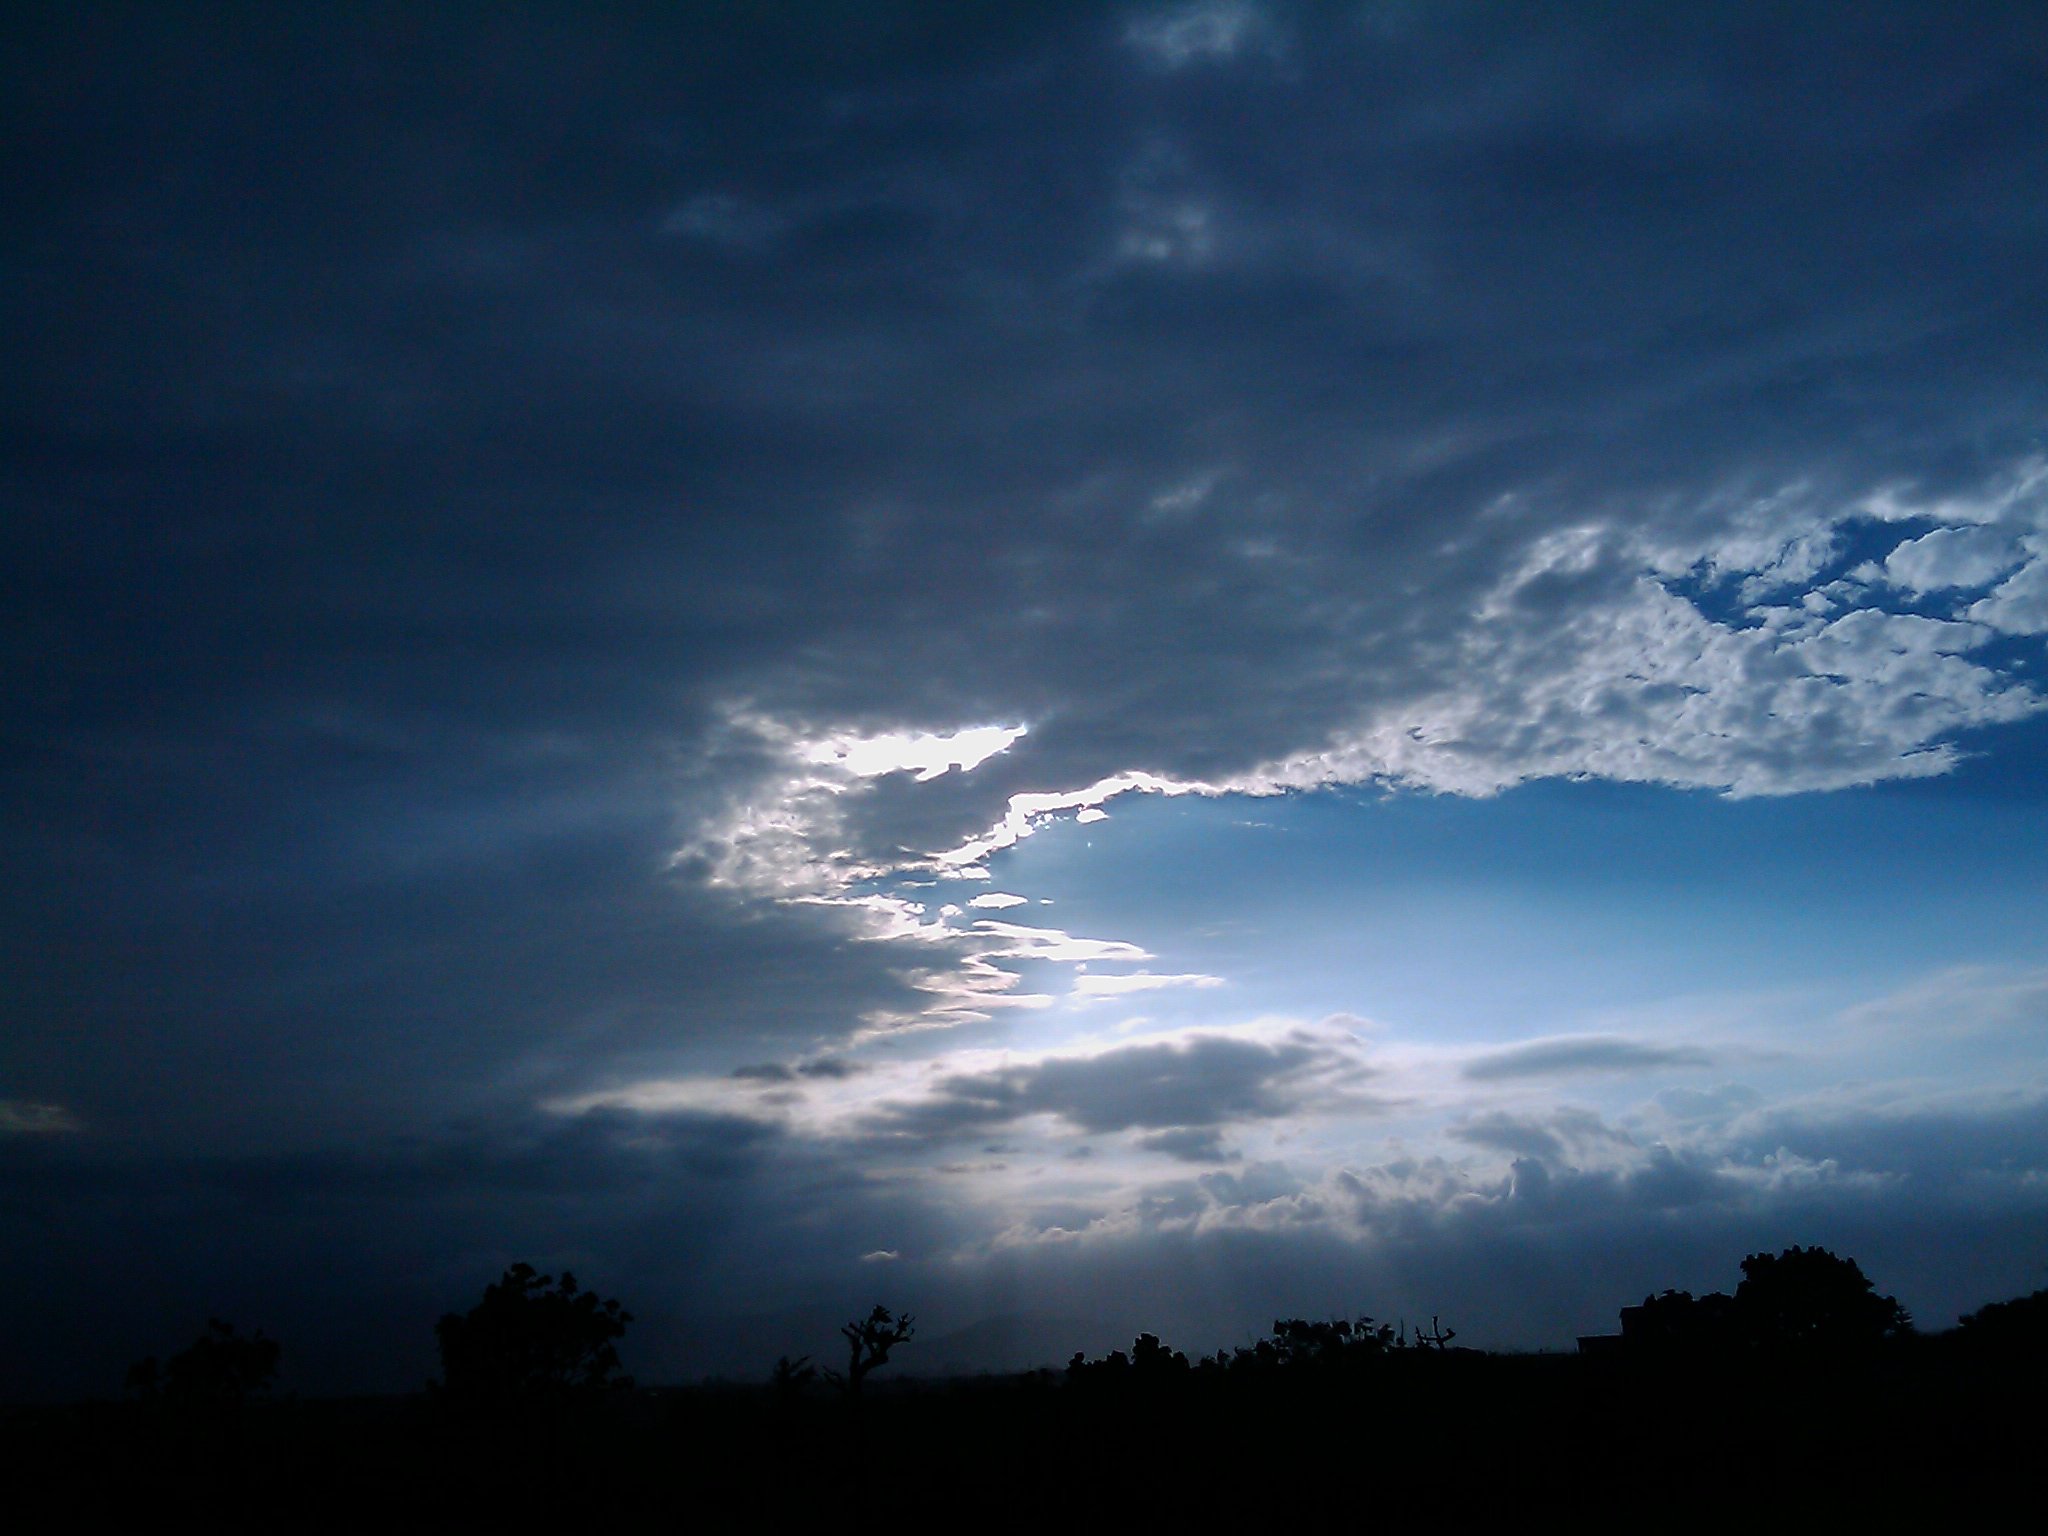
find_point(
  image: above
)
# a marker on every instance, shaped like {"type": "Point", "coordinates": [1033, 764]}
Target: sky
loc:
{"type": "Point", "coordinates": [1077, 668]}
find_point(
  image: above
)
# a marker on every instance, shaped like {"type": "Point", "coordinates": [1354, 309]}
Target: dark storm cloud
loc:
{"type": "Point", "coordinates": [1198, 1084]}
{"type": "Point", "coordinates": [481, 336]}
{"type": "Point", "coordinates": [349, 1252]}
{"type": "Point", "coordinates": [1581, 1054]}
{"type": "Point", "coordinates": [358, 1004]}
{"type": "Point", "coordinates": [832, 1067]}
{"type": "Point", "coordinates": [1191, 1144]}
{"type": "Point", "coordinates": [2002, 1136]}
{"type": "Point", "coordinates": [591, 1159]}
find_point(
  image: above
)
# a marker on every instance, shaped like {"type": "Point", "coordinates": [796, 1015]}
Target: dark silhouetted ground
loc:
{"type": "Point", "coordinates": [1929, 1427]}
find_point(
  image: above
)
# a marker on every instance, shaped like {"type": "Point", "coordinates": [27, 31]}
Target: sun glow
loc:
{"type": "Point", "coordinates": [930, 755]}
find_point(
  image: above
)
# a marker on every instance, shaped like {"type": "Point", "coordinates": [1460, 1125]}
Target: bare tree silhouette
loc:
{"type": "Point", "coordinates": [869, 1340]}
{"type": "Point", "coordinates": [1438, 1337]}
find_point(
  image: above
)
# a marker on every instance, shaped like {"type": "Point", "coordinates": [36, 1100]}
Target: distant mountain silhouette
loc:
{"type": "Point", "coordinates": [740, 1346]}
{"type": "Point", "coordinates": [1018, 1341]}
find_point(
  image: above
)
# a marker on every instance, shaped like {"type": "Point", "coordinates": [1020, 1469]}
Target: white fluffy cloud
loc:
{"type": "Point", "coordinates": [1138, 981]}
{"type": "Point", "coordinates": [2019, 604]}
{"type": "Point", "coordinates": [1952, 557]}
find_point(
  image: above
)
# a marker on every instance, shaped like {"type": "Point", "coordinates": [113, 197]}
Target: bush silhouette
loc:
{"type": "Point", "coordinates": [220, 1370]}
{"type": "Point", "coordinates": [532, 1337]}
{"type": "Point", "coordinates": [1299, 1347]}
{"type": "Point", "coordinates": [1148, 1362]}
{"type": "Point", "coordinates": [1679, 1323]}
{"type": "Point", "coordinates": [2017, 1328]}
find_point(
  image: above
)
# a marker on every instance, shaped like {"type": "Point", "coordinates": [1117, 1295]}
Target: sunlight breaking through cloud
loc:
{"type": "Point", "coordinates": [928, 755]}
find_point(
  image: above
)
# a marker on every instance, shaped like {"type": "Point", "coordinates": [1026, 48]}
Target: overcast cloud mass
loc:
{"type": "Point", "coordinates": [1161, 664]}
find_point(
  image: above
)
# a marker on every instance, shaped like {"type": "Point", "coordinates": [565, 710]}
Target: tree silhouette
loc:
{"type": "Point", "coordinates": [1808, 1298]}
{"type": "Point", "coordinates": [1151, 1359]}
{"type": "Point", "coordinates": [1339, 1341]}
{"type": "Point", "coordinates": [1149, 1363]}
{"type": "Point", "coordinates": [2016, 1328]}
{"type": "Point", "coordinates": [220, 1370]}
{"type": "Point", "coordinates": [532, 1337]}
{"type": "Point", "coordinates": [1680, 1323]}
{"type": "Point", "coordinates": [1298, 1346]}
{"type": "Point", "coordinates": [1438, 1337]}
{"type": "Point", "coordinates": [869, 1340]}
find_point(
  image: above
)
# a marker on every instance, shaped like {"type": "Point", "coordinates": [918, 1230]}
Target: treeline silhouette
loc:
{"type": "Point", "coordinates": [1804, 1300]}
{"type": "Point", "coordinates": [1804, 1390]}
{"type": "Point", "coordinates": [1296, 1344]}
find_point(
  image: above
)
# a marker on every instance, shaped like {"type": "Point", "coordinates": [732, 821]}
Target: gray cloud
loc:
{"type": "Point", "coordinates": [1708, 1104]}
{"type": "Point", "coordinates": [1581, 1054]}
{"type": "Point", "coordinates": [1199, 1084]}
{"type": "Point", "coordinates": [1191, 1144]}
{"type": "Point", "coordinates": [1975, 1138]}
{"type": "Point", "coordinates": [20, 1117]}
{"type": "Point", "coordinates": [1532, 1253]}
{"type": "Point", "coordinates": [1550, 1137]}
{"type": "Point", "coordinates": [836, 1068]}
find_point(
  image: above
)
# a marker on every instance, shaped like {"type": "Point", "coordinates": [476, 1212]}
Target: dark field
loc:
{"type": "Point", "coordinates": [1924, 1430]}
